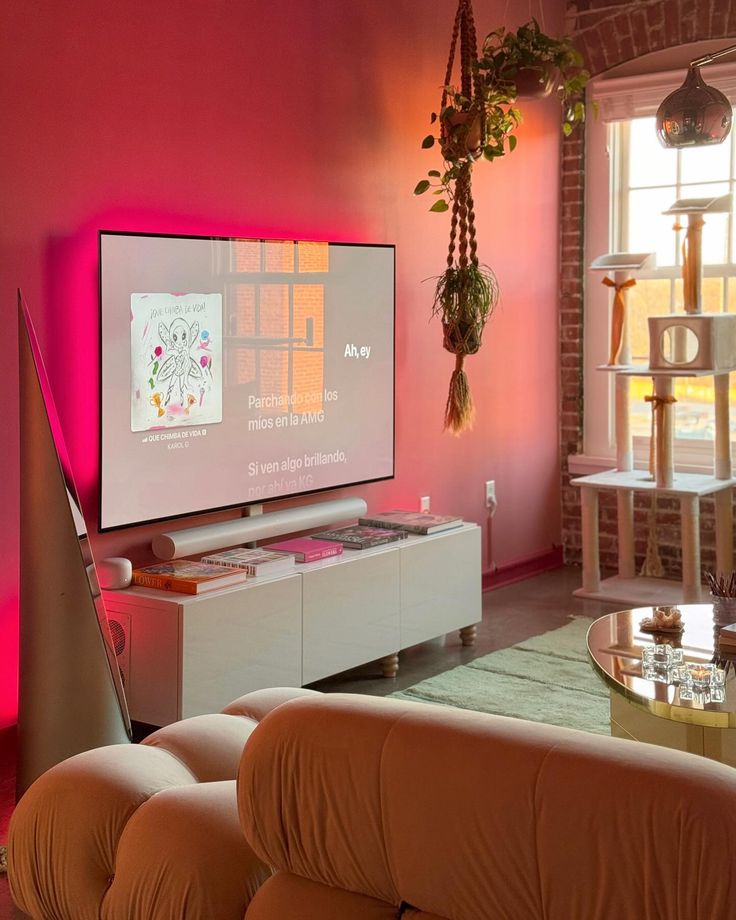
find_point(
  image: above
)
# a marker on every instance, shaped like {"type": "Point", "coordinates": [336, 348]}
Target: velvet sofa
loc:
{"type": "Point", "coordinates": [358, 808]}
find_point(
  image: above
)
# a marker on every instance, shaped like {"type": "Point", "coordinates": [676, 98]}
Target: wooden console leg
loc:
{"type": "Point", "coordinates": [468, 634]}
{"type": "Point", "coordinates": [390, 665]}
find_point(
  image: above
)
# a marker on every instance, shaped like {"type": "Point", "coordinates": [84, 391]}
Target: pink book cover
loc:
{"type": "Point", "coordinates": [307, 550]}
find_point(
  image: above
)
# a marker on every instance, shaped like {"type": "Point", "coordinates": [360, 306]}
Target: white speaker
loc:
{"type": "Point", "coordinates": [209, 537]}
{"type": "Point", "coordinates": [114, 572]}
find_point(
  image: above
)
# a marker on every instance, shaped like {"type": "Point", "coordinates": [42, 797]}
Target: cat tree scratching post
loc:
{"type": "Point", "coordinates": [722, 443]}
{"type": "Point", "coordinates": [723, 470]}
{"type": "Point", "coordinates": [664, 400]}
{"type": "Point", "coordinates": [692, 251]}
{"type": "Point", "coordinates": [692, 264]}
{"type": "Point", "coordinates": [622, 264]}
{"type": "Point", "coordinates": [671, 355]}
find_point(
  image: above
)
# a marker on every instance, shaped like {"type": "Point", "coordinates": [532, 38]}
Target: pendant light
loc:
{"type": "Point", "coordinates": [696, 114]}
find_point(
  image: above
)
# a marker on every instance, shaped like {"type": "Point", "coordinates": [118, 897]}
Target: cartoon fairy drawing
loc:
{"type": "Point", "coordinates": [179, 366]}
{"type": "Point", "coordinates": [176, 360]}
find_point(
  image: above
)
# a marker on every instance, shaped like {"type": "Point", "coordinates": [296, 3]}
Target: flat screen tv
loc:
{"type": "Point", "coordinates": [236, 371]}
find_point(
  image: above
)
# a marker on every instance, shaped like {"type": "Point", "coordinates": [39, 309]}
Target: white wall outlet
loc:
{"type": "Point", "coordinates": [424, 503]}
{"type": "Point", "coordinates": [491, 493]}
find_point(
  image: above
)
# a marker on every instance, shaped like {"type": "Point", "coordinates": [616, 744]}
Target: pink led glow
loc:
{"type": "Point", "coordinates": [9, 661]}
{"type": "Point", "coordinates": [73, 318]}
{"type": "Point", "coordinates": [84, 158]}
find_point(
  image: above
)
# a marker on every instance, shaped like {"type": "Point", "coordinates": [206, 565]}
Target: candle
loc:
{"type": "Point", "coordinates": [700, 673]}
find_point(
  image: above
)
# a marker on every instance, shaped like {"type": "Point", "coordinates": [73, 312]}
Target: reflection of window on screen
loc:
{"type": "Point", "coordinates": [647, 179]}
{"type": "Point", "coordinates": [275, 322]}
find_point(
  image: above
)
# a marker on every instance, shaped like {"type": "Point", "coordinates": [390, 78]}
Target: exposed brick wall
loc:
{"type": "Point", "coordinates": [609, 33]}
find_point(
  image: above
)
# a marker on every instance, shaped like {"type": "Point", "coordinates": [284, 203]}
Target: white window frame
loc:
{"type": "Point", "coordinates": [619, 99]}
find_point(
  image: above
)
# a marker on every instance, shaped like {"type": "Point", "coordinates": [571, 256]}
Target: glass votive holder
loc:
{"type": "Point", "coordinates": [659, 662]}
{"type": "Point", "coordinates": [681, 674]}
{"type": "Point", "coordinates": [705, 682]}
{"type": "Point", "coordinates": [701, 676]}
{"type": "Point", "coordinates": [661, 656]}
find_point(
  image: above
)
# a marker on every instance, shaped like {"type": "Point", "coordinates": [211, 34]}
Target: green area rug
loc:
{"type": "Point", "coordinates": [547, 678]}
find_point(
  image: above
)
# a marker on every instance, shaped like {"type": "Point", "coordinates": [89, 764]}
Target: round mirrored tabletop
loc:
{"type": "Point", "coordinates": [618, 649]}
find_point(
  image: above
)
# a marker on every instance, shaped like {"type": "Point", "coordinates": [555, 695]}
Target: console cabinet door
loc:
{"type": "Point", "coordinates": [245, 639]}
{"type": "Point", "coordinates": [350, 613]}
{"type": "Point", "coordinates": [440, 585]}
{"type": "Point", "coordinates": [149, 661]}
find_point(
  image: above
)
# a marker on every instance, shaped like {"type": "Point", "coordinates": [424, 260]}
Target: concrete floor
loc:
{"type": "Point", "coordinates": [510, 614]}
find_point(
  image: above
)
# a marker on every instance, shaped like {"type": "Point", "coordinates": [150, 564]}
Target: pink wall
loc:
{"type": "Point", "coordinates": [275, 119]}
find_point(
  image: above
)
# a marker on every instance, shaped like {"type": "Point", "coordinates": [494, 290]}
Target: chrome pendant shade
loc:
{"type": "Point", "coordinates": [694, 115]}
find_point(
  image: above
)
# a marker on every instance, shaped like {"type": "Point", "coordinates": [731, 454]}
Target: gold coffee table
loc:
{"type": "Point", "coordinates": [645, 709]}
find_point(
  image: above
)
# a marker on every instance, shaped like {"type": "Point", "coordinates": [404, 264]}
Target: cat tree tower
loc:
{"type": "Point", "coordinates": [688, 344]}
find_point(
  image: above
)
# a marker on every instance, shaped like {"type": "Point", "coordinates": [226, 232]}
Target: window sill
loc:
{"type": "Point", "coordinates": [586, 465]}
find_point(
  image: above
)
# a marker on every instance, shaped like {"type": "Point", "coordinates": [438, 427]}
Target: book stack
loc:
{"type": "Point", "coordinates": [253, 561]}
{"type": "Point", "coordinates": [420, 522]}
{"type": "Point", "coordinates": [187, 577]}
{"type": "Point", "coordinates": [727, 638]}
{"type": "Point", "coordinates": [359, 536]}
{"type": "Point", "coordinates": [306, 549]}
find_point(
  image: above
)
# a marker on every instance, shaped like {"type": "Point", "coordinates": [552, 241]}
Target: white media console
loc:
{"type": "Point", "coordinates": [184, 655]}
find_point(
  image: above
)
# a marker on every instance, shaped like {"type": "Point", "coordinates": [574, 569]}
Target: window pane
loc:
{"type": "Point", "coordinates": [641, 413]}
{"type": "Point", "coordinates": [648, 229]}
{"type": "Point", "coordinates": [649, 162]}
{"type": "Point", "coordinates": [694, 411]}
{"type": "Point", "coordinates": [647, 298]}
{"type": "Point", "coordinates": [711, 295]}
{"type": "Point", "coordinates": [715, 239]}
{"type": "Point", "coordinates": [715, 230]}
{"type": "Point", "coordinates": [651, 181]}
{"type": "Point", "coordinates": [700, 164]}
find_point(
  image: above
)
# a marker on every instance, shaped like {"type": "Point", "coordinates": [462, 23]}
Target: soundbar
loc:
{"type": "Point", "coordinates": [207, 537]}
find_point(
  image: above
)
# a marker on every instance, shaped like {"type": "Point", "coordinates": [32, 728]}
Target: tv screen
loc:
{"type": "Point", "coordinates": [236, 371]}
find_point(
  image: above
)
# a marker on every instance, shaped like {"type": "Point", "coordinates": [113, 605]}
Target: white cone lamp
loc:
{"type": "Point", "coordinates": [70, 692]}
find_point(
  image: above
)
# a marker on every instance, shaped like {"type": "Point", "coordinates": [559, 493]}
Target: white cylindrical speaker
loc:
{"type": "Point", "coordinates": [208, 537]}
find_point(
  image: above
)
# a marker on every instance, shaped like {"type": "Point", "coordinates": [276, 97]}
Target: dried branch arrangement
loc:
{"type": "Point", "coordinates": [721, 586]}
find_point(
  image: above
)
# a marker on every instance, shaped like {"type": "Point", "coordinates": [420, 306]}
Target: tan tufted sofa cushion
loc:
{"type": "Point", "coordinates": [143, 831]}
{"type": "Point", "coordinates": [369, 807]}
{"type": "Point", "coordinates": [359, 808]}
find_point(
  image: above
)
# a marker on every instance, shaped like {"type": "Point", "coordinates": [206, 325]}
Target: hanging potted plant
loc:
{"type": "Point", "coordinates": [464, 298]}
{"type": "Point", "coordinates": [527, 62]}
{"type": "Point", "coordinates": [473, 121]}
{"type": "Point", "coordinates": [477, 119]}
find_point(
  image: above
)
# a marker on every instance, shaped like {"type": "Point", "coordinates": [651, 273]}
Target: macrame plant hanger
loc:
{"type": "Point", "coordinates": [462, 334]}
